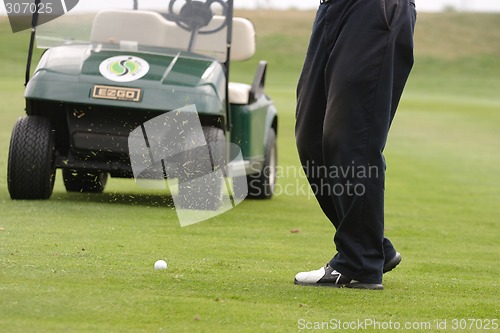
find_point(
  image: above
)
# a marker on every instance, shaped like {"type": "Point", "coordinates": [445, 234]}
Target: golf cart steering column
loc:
{"type": "Point", "coordinates": [194, 16]}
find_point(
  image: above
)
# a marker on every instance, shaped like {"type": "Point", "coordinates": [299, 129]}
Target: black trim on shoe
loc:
{"type": "Point", "coordinates": [391, 264]}
{"type": "Point", "coordinates": [352, 285]}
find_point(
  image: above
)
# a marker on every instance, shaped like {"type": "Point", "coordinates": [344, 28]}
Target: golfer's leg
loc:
{"type": "Point", "coordinates": [401, 47]}
{"type": "Point", "coordinates": [311, 105]}
{"type": "Point", "coordinates": [360, 89]}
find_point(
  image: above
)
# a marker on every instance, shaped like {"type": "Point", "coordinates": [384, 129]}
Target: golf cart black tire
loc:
{"type": "Point", "coordinates": [262, 185]}
{"type": "Point", "coordinates": [206, 195]}
{"type": "Point", "coordinates": [83, 181]}
{"type": "Point", "coordinates": [31, 166]}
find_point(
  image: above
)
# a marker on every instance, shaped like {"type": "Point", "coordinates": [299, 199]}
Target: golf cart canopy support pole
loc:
{"type": "Point", "coordinates": [34, 22]}
{"type": "Point", "coordinates": [229, 19]}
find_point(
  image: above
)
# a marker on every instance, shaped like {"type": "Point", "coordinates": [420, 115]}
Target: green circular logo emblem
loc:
{"type": "Point", "coordinates": [124, 68]}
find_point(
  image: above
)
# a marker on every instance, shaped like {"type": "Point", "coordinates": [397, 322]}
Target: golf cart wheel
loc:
{"type": "Point", "coordinates": [84, 181]}
{"type": "Point", "coordinates": [31, 166]}
{"type": "Point", "coordinates": [205, 192]}
{"type": "Point", "coordinates": [262, 184]}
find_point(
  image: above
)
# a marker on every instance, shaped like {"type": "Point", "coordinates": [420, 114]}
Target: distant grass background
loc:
{"type": "Point", "coordinates": [83, 263]}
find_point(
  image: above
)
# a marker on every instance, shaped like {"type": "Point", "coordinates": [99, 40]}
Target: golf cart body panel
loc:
{"type": "Point", "coordinates": [70, 73]}
{"type": "Point", "coordinates": [251, 124]}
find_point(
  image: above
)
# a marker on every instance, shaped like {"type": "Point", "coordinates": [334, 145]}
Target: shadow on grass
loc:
{"type": "Point", "coordinates": [129, 199]}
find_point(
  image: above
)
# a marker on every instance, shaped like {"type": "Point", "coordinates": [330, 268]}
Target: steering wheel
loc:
{"type": "Point", "coordinates": [195, 15]}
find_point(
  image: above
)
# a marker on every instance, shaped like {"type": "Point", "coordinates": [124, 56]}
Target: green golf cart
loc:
{"type": "Point", "coordinates": [109, 67]}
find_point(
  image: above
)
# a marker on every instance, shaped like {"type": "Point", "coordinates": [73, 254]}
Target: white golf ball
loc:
{"type": "Point", "coordinates": [160, 264]}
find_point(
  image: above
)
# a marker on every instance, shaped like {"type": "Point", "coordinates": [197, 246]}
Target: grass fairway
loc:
{"type": "Point", "coordinates": [84, 263]}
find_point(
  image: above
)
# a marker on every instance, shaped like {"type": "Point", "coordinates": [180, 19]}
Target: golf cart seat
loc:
{"type": "Point", "coordinates": [147, 28]}
{"type": "Point", "coordinates": [239, 93]}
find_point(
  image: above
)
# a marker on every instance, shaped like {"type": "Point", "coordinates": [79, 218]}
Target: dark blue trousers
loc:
{"type": "Point", "coordinates": [357, 64]}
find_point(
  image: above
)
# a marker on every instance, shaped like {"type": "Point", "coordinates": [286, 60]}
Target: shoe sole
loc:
{"type": "Point", "coordinates": [393, 263]}
{"type": "Point", "coordinates": [369, 286]}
